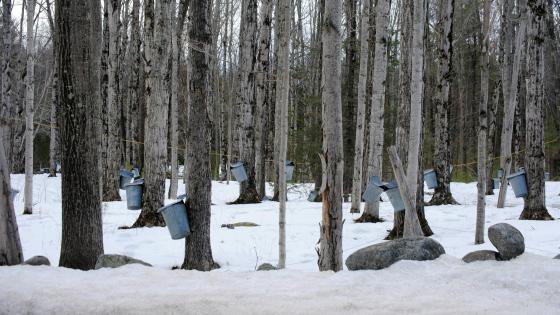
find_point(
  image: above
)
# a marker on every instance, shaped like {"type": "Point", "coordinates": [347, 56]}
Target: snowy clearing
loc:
{"type": "Point", "coordinates": [528, 284]}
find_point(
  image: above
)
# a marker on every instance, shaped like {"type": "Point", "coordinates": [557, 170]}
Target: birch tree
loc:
{"type": "Point", "coordinates": [156, 91]}
{"type": "Point", "coordinates": [113, 149]}
{"type": "Point", "coordinates": [534, 205]}
{"type": "Point", "coordinates": [376, 129]}
{"type": "Point", "coordinates": [282, 100]}
{"type": "Point", "coordinates": [79, 25]}
{"type": "Point", "coordinates": [357, 177]}
{"type": "Point", "coordinates": [442, 154]}
{"type": "Point", "coordinates": [29, 108]}
{"type": "Point", "coordinates": [483, 125]}
{"type": "Point", "coordinates": [330, 242]}
{"type": "Point", "coordinates": [512, 100]}
{"type": "Point", "coordinates": [246, 76]}
{"type": "Point", "coordinates": [198, 251]}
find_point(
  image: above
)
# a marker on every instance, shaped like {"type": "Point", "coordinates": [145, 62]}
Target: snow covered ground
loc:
{"type": "Point", "coordinates": [529, 284]}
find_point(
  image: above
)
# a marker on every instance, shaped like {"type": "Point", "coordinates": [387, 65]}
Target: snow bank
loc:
{"type": "Point", "coordinates": [527, 285]}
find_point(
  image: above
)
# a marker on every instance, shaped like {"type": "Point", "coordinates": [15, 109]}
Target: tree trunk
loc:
{"type": "Point", "coordinates": [79, 25]}
{"type": "Point", "coordinates": [377, 130]}
{"type": "Point", "coordinates": [282, 97]}
{"type": "Point", "coordinates": [7, 101]}
{"type": "Point", "coordinates": [492, 115]}
{"type": "Point", "coordinates": [157, 54]}
{"type": "Point", "coordinates": [29, 108]}
{"type": "Point", "coordinates": [134, 89]}
{"type": "Point", "coordinates": [442, 155]}
{"type": "Point", "coordinates": [112, 166]}
{"type": "Point", "coordinates": [351, 64]}
{"type": "Point", "coordinates": [509, 110]}
{"type": "Point", "coordinates": [245, 98]}
{"type": "Point", "coordinates": [261, 93]}
{"type": "Point", "coordinates": [198, 250]}
{"type": "Point", "coordinates": [330, 242]}
{"type": "Point", "coordinates": [535, 207]}
{"type": "Point", "coordinates": [357, 177]}
{"type": "Point", "coordinates": [483, 125]}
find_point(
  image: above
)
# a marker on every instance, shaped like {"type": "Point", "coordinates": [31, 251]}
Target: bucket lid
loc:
{"type": "Point", "coordinates": [238, 164]}
{"type": "Point", "coordinates": [126, 173]}
{"type": "Point", "coordinates": [169, 205]}
{"type": "Point", "coordinates": [428, 171]}
{"type": "Point", "coordinates": [377, 181]}
{"type": "Point", "coordinates": [392, 184]}
{"type": "Point", "coordinates": [136, 182]}
{"type": "Point", "coordinates": [290, 163]}
{"type": "Point", "coordinates": [521, 172]}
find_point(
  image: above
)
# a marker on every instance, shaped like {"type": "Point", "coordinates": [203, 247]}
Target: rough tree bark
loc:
{"type": "Point", "coordinates": [134, 89]}
{"type": "Point", "coordinates": [330, 242]}
{"type": "Point", "coordinates": [29, 108]}
{"type": "Point", "coordinates": [377, 130]}
{"type": "Point", "coordinates": [282, 100]}
{"type": "Point", "coordinates": [157, 53]}
{"type": "Point", "coordinates": [198, 250]}
{"type": "Point", "coordinates": [53, 142]}
{"type": "Point", "coordinates": [7, 101]}
{"type": "Point", "coordinates": [483, 125]}
{"type": "Point", "coordinates": [512, 100]}
{"type": "Point", "coordinates": [261, 93]}
{"type": "Point", "coordinates": [442, 155]}
{"type": "Point", "coordinates": [357, 177]}
{"type": "Point", "coordinates": [492, 115]}
{"type": "Point", "coordinates": [113, 151]}
{"type": "Point", "coordinates": [79, 26]}
{"type": "Point", "coordinates": [245, 98]}
{"type": "Point", "coordinates": [534, 206]}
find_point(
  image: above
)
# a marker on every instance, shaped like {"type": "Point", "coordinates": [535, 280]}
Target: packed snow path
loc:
{"type": "Point", "coordinates": [528, 284]}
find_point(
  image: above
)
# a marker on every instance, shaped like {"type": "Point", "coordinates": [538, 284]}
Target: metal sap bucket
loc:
{"type": "Point", "coordinates": [394, 195]}
{"type": "Point", "coordinates": [500, 173]}
{"type": "Point", "coordinates": [373, 190]}
{"type": "Point", "coordinates": [290, 165]}
{"type": "Point", "coordinates": [134, 192]}
{"type": "Point", "coordinates": [518, 182]}
{"type": "Point", "coordinates": [238, 171]}
{"type": "Point", "coordinates": [125, 178]}
{"type": "Point", "coordinates": [496, 183]}
{"type": "Point", "coordinates": [546, 176]}
{"type": "Point", "coordinates": [13, 194]}
{"type": "Point", "coordinates": [430, 178]}
{"type": "Point", "coordinates": [175, 216]}
{"type": "Point", "coordinates": [312, 196]}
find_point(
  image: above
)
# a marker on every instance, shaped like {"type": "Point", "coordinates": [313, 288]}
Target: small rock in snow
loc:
{"type": "Point", "coordinates": [507, 240]}
{"type": "Point", "coordinates": [266, 267]}
{"type": "Point", "coordinates": [37, 261]}
{"type": "Point", "coordinates": [481, 255]}
{"type": "Point", "coordinates": [115, 261]}
{"type": "Point", "coordinates": [385, 254]}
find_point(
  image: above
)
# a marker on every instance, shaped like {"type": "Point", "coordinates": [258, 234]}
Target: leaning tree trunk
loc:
{"type": "Point", "coordinates": [198, 250]}
{"type": "Point", "coordinates": [157, 97]}
{"type": "Point", "coordinates": [376, 130]}
{"type": "Point", "coordinates": [282, 100]}
{"type": "Point", "coordinates": [535, 208]}
{"type": "Point", "coordinates": [442, 155]}
{"type": "Point", "coordinates": [483, 125]}
{"type": "Point", "coordinates": [330, 242]}
{"type": "Point", "coordinates": [509, 108]}
{"type": "Point", "coordinates": [246, 77]}
{"type": "Point", "coordinates": [261, 94]}
{"type": "Point", "coordinates": [29, 108]}
{"type": "Point", "coordinates": [357, 178]}
{"type": "Point", "coordinates": [112, 165]}
{"type": "Point", "coordinates": [79, 25]}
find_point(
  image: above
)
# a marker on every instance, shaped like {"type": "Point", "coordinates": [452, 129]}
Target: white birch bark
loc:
{"type": "Point", "coordinates": [29, 108]}
{"type": "Point", "coordinates": [483, 125]}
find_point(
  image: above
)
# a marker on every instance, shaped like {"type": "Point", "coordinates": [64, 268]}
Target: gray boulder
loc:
{"type": "Point", "coordinates": [37, 261]}
{"type": "Point", "coordinates": [266, 267]}
{"type": "Point", "coordinates": [557, 257]}
{"type": "Point", "coordinates": [481, 255]}
{"type": "Point", "coordinates": [385, 254]}
{"type": "Point", "coordinates": [115, 261]}
{"type": "Point", "coordinates": [507, 240]}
